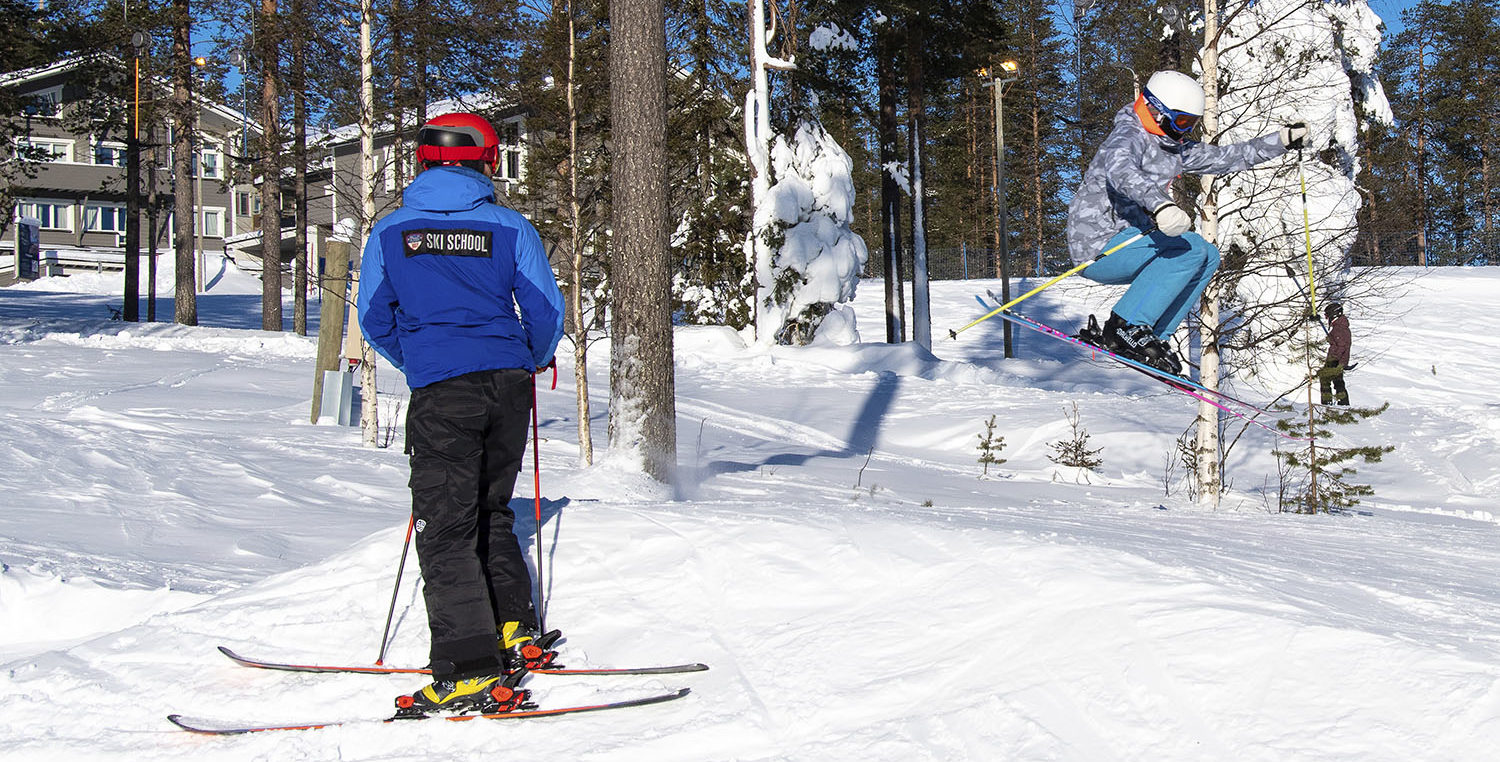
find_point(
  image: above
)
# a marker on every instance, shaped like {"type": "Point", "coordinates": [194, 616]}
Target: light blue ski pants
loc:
{"type": "Point", "coordinates": [1167, 275]}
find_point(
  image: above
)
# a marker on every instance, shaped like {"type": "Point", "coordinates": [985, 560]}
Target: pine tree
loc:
{"type": "Point", "coordinates": [1317, 475]}
{"type": "Point", "coordinates": [642, 417]}
{"type": "Point", "coordinates": [990, 447]}
{"type": "Point", "coordinates": [1074, 451]}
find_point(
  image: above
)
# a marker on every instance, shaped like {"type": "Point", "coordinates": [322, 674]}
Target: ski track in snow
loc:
{"type": "Point", "coordinates": [859, 592]}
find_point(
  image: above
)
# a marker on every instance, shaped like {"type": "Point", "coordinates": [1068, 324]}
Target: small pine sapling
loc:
{"type": "Point", "coordinates": [1075, 452]}
{"type": "Point", "coordinates": [990, 447]}
{"type": "Point", "coordinates": [1319, 472]}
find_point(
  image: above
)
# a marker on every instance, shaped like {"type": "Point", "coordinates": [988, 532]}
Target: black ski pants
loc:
{"type": "Point", "coordinates": [1332, 386]}
{"type": "Point", "coordinates": [467, 438]}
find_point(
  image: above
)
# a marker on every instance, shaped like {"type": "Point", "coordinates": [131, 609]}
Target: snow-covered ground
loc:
{"type": "Point", "coordinates": [860, 592]}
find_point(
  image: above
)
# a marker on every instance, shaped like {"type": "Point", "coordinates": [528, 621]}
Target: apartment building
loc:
{"type": "Point", "coordinates": [77, 191]}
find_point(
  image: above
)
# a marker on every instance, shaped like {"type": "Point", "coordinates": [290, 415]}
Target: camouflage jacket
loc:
{"type": "Point", "coordinates": [1130, 177]}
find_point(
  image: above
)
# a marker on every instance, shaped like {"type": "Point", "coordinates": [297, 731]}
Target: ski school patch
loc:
{"type": "Point", "coordinates": [448, 243]}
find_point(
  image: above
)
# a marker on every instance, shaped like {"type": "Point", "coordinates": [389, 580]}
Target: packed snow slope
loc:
{"type": "Point", "coordinates": [832, 550]}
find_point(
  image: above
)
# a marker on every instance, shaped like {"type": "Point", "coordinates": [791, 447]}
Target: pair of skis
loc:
{"type": "Point", "coordinates": [216, 727]}
{"type": "Point", "coordinates": [1230, 405]}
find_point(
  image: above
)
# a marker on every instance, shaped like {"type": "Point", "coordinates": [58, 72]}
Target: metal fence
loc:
{"type": "Point", "coordinates": [1404, 247]}
{"type": "Point", "coordinates": [1371, 249]}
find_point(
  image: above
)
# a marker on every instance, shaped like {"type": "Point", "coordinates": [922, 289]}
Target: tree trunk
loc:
{"type": "Point", "coordinates": [890, 193]}
{"type": "Point", "coordinates": [575, 249]}
{"type": "Point", "coordinates": [270, 172]}
{"type": "Point", "coordinates": [1421, 127]}
{"type": "Point", "coordinates": [186, 295]}
{"type": "Point", "coordinates": [642, 419]}
{"type": "Point", "coordinates": [921, 314]}
{"type": "Point", "coordinates": [299, 156]}
{"type": "Point", "coordinates": [369, 408]}
{"type": "Point", "coordinates": [1206, 449]}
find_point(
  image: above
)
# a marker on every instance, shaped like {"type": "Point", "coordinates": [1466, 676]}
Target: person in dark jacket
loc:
{"type": "Point", "coordinates": [1126, 194]}
{"type": "Point", "coordinates": [1337, 360]}
{"type": "Point", "coordinates": [457, 293]}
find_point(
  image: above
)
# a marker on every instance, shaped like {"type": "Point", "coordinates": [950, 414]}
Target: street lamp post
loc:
{"type": "Point", "coordinates": [132, 297]}
{"type": "Point", "coordinates": [196, 142]}
{"type": "Point", "coordinates": [1007, 73]}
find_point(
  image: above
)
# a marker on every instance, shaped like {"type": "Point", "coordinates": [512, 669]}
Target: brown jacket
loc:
{"type": "Point", "coordinates": [1339, 340]}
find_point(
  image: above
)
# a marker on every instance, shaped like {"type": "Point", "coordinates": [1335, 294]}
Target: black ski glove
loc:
{"type": "Point", "coordinates": [1294, 136]}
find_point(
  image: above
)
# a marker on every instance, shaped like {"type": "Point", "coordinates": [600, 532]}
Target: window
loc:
{"type": "Point", "coordinates": [54, 215]}
{"type": "Point", "coordinates": [209, 164]}
{"type": "Point", "coordinates": [46, 149]}
{"type": "Point", "coordinates": [246, 203]}
{"type": "Point", "coordinates": [44, 103]}
{"type": "Point", "coordinates": [104, 218]}
{"type": "Point", "coordinates": [213, 222]}
{"type": "Point", "coordinates": [109, 154]}
{"type": "Point", "coordinates": [510, 150]}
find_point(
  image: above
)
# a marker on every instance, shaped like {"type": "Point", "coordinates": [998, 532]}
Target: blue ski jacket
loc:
{"type": "Point", "coordinates": [453, 283]}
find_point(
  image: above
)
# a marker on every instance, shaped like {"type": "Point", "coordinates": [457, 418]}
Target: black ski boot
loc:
{"type": "Point", "coordinates": [1091, 333]}
{"type": "Point", "coordinates": [1138, 342]}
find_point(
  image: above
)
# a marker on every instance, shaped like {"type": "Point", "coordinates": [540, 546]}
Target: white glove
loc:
{"type": "Point", "coordinates": [1171, 220]}
{"type": "Point", "coordinates": [1294, 135]}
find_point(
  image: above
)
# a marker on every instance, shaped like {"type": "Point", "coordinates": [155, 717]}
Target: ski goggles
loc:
{"type": "Point", "coordinates": [1182, 122]}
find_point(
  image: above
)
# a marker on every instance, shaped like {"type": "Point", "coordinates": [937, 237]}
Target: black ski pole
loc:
{"type": "Point", "coordinates": [1290, 273]}
{"type": "Point", "coordinates": [384, 636]}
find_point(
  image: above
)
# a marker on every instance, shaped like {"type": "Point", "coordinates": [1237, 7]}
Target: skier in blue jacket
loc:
{"type": "Point", "coordinates": [1126, 192]}
{"type": "Point", "coordinates": [456, 292]}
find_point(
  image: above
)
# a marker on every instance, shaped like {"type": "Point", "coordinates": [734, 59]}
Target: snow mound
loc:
{"type": "Point", "coordinates": [42, 612]}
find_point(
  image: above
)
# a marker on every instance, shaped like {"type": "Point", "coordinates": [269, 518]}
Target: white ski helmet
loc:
{"type": "Point", "coordinates": [1177, 100]}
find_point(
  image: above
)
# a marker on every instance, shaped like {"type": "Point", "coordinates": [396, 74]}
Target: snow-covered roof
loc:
{"type": "Point", "coordinates": [477, 102]}
{"type": "Point", "coordinates": [23, 76]}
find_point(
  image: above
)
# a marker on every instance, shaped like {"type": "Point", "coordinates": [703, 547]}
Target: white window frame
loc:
{"type": "Point", "coordinates": [199, 165]}
{"type": "Point", "coordinates": [63, 218]}
{"type": "Point", "coordinates": [388, 158]}
{"type": "Point", "coordinates": [92, 216]}
{"type": "Point", "coordinates": [111, 145]}
{"type": "Point", "coordinates": [512, 150]}
{"type": "Point", "coordinates": [219, 216]}
{"type": "Point", "coordinates": [218, 162]}
{"type": "Point", "coordinates": [66, 157]}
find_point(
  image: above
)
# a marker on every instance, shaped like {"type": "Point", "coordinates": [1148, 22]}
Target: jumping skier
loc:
{"type": "Point", "coordinates": [1126, 192]}
{"type": "Point", "coordinates": [456, 291]}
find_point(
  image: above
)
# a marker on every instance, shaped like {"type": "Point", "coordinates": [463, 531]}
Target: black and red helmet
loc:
{"type": "Point", "coordinates": [450, 139]}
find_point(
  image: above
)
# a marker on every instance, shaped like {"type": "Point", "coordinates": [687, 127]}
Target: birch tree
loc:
{"type": "Point", "coordinates": [1267, 64]}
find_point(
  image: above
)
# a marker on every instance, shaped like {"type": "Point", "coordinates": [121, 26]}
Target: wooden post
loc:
{"type": "Point", "coordinates": [335, 282]}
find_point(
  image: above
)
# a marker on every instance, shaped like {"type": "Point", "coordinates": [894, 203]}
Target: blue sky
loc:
{"type": "Point", "coordinates": [1390, 12]}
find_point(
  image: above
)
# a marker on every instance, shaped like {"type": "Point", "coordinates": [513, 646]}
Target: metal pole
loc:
{"type": "Point", "coordinates": [400, 566]}
{"type": "Point", "coordinates": [132, 296]}
{"type": "Point", "coordinates": [1004, 211]}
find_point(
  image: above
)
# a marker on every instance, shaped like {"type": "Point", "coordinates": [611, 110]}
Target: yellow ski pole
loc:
{"type": "Point", "coordinates": [953, 332]}
{"type": "Point", "coordinates": [1312, 288]}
